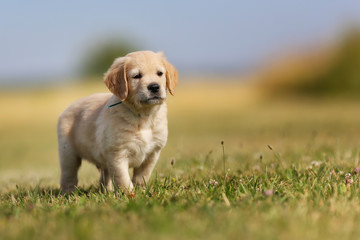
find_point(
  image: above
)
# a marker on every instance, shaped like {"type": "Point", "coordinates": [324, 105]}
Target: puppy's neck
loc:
{"type": "Point", "coordinates": [138, 111]}
{"type": "Point", "coordinates": [144, 111]}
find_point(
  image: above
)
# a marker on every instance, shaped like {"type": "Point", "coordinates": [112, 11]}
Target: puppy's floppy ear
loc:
{"type": "Point", "coordinates": [171, 74]}
{"type": "Point", "coordinates": [115, 78]}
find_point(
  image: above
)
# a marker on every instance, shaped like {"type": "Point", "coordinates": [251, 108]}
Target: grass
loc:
{"type": "Point", "coordinates": [286, 165]}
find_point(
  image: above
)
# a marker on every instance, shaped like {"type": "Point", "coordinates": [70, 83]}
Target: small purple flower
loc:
{"type": "Point", "coordinates": [349, 181]}
{"type": "Point", "coordinates": [357, 169]}
{"type": "Point", "coordinates": [269, 192]}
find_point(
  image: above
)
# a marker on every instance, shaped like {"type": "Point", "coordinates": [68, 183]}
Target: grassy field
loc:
{"type": "Point", "coordinates": [290, 170]}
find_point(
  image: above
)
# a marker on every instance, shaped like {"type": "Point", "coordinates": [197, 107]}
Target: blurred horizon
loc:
{"type": "Point", "coordinates": [47, 42]}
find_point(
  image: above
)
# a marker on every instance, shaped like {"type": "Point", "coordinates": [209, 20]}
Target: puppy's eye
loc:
{"type": "Point", "coordinates": [137, 76]}
{"type": "Point", "coordinates": [159, 73]}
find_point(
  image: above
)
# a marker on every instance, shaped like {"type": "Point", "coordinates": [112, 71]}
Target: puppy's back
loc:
{"type": "Point", "coordinates": [78, 122]}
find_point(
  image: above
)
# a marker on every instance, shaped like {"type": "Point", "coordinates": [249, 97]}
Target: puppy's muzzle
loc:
{"type": "Point", "coordinates": [153, 87]}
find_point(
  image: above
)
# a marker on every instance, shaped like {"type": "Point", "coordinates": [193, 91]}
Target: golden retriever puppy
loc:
{"type": "Point", "coordinates": [122, 130]}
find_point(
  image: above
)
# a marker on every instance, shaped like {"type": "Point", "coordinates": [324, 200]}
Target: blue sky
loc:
{"type": "Point", "coordinates": [50, 38]}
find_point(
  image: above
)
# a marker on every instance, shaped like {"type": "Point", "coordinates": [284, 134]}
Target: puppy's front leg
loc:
{"type": "Point", "coordinates": [142, 174]}
{"type": "Point", "coordinates": [119, 173]}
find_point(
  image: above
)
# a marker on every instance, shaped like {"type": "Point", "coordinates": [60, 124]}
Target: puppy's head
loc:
{"type": "Point", "coordinates": [141, 78]}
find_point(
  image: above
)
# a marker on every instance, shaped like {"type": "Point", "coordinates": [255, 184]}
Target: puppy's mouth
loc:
{"type": "Point", "coordinates": [153, 100]}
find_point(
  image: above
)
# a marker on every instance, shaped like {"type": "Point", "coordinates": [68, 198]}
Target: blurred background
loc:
{"type": "Point", "coordinates": [252, 73]}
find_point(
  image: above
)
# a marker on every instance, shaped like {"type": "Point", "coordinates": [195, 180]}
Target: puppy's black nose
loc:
{"type": "Point", "coordinates": [153, 87]}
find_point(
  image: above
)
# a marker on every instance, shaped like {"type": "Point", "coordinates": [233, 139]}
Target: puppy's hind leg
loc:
{"type": "Point", "coordinates": [70, 164]}
{"type": "Point", "coordinates": [105, 180]}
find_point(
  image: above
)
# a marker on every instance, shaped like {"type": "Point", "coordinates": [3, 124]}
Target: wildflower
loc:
{"type": "Point", "coordinates": [173, 179]}
{"type": "Point", "coordinates": [316, 163]}
{"type": "Point", "coordinates": [256, 168]}
{"type": "Point", "coordinates": [349, 181]}
{"type": "Point", "coordinates": [348, 178]}
{"type": "Point", "coordinates": [131, 194]}
{"type": "Point", "coordinates": [269, 192]}
{"type": "Point", "coordinates": [357, 169]}
{"type": "Point", "coordinates": [213, 182]}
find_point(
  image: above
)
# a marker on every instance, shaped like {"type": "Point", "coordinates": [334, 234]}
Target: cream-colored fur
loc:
{"type": "Point", "coordinates": [127, 135]}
